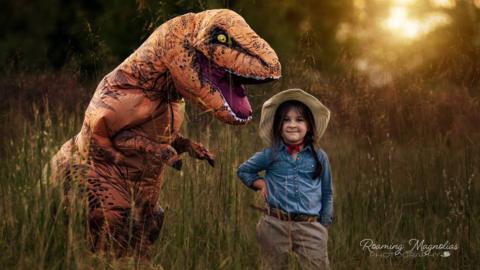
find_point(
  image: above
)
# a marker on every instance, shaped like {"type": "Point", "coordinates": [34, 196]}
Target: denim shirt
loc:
{"type": "Point", "coordinates": [290, 183]}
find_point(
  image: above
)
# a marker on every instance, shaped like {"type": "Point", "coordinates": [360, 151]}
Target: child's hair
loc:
{"type": "Point", "coordinates": [306, 113]}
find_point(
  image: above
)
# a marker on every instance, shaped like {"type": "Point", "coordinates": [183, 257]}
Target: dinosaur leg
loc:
{"type": "Point", "coordinates": [150, 224]}
{"type": "Point", "coordinates": [148, 213]}
{"type": "Point", "coordinates": [124, 218]}
{"type": "Point", "coordinates": [109, 208]}
{"type": "Point", "coordinates": [110, 213]}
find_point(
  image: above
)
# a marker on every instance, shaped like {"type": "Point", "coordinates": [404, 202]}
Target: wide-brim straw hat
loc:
{"type": "Point", "coordinates": [321, 114]}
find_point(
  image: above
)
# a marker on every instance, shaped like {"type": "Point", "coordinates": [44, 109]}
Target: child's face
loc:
{"type": "Point", "coordinates": [294, 127]}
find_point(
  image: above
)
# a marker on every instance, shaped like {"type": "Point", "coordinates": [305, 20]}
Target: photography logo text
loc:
{"type": "Point", "coordinates": [413, 248]}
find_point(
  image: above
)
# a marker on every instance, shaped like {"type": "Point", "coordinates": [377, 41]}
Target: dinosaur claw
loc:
{"type": "Point", "coordinates": [211, 161]}
{"type": "Point", "coordinates": [177, 165]}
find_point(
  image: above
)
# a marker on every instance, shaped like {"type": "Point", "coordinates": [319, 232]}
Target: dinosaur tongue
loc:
{"type": "Point", "coordinates": [232, 89]}
{"type": "Point", "coordinates": [236, 97]}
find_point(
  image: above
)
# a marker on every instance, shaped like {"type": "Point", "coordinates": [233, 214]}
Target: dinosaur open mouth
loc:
{"type": "Point", "coordinates": [230, 85]}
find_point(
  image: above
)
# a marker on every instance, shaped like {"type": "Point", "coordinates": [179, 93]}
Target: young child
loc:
{"type": "Point", "coordinates": [297, 186]}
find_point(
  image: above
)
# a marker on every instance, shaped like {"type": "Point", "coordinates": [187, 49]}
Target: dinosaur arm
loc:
{"type": "Point", "coordinates": [194, 149]}
{"type": "Point", "coordinates": [129, 141]}
{"type": "Point", "coordinates": [181, 144]}
{"type": "Point", "coordinates": [132, 142]}
{"type": "Point", "coordinates": [100, 140]}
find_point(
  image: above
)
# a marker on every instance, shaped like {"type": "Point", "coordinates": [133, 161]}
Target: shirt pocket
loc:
{"type": "Point", "coordinates": [279, 167]}
{"type": "Point", "coordinates": [307, 168]}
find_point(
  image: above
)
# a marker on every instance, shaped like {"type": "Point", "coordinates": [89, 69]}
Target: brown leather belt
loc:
{"type": "Point", "coordinates": [284, 216]}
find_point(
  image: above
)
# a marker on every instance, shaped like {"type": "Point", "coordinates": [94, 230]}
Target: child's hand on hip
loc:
{"type": "Point", "coordinates": [261, 186]}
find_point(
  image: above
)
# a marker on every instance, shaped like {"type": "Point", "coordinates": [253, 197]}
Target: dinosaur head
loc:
{"type": "Point", "coordinates": [213, 55]}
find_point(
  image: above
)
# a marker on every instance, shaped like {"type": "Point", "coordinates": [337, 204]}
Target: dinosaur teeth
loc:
{"type": "Point", "coordinates": [226, 105]}
{"type": "Point", "coordinates": [258, 78]}
{"type": "Point", "coordinates": [241, 120]}
{"type": "Point", "coordinates": [229, 86]}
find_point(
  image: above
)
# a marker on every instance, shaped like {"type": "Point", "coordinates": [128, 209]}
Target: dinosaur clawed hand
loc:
{"type": "Point", "coordinates": [169, 156]}
{"type": "Point", "coordinates": [197, 150]}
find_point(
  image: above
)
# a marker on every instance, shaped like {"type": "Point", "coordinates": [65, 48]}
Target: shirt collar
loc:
{"type": "Point", "coordinates": [283, 147]}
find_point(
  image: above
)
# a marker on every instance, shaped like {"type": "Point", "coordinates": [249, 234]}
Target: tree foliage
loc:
{"type": "Point", "coordinates": [93, 36]}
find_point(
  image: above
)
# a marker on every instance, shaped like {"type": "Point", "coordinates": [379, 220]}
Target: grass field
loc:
{"type": "Point", "coordinates": [387, 188]}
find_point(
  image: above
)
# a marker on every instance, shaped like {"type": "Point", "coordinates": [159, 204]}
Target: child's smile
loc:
{"type": "Point", "coordinates": [294, 128]}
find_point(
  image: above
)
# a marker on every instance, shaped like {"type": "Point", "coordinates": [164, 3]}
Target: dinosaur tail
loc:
{"type": "Point", "coordinates": [55, 172]}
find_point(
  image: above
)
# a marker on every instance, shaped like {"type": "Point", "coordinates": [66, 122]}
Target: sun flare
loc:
{"type": "Point", "coordinates": [397, 18]}
{"type": "Point", "coordinates": [411, 29]}
{"type": "Point", "coordinates": [400, 24]}
{"type": "Point", "coordinates": [444, 3]}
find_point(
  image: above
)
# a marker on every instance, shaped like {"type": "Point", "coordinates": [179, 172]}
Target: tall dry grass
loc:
{"type": "Point", "coordinates": [404, 161]}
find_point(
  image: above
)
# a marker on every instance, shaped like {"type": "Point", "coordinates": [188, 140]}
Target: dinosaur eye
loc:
{"type": "Point", "coordinates": [222, 38]}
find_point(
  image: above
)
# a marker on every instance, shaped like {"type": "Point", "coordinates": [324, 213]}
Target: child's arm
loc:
{"type": "Point", "coordinates": [326, 214]}
{"type": "Point", "coordinates": [248, 171]}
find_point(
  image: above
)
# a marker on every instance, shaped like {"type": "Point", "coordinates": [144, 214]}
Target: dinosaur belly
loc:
{"type": "Point", "coordinates": [141, 144]}
{"type": "Point", "coordinates": [165, 127]}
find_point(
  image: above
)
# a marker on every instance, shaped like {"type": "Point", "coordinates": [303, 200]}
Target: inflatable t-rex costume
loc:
{"type": "Point", "coordinates": [131, 126]}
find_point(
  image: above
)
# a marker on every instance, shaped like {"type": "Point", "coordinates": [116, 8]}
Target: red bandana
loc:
{"type": "Point", "coordinates": [294, 148]}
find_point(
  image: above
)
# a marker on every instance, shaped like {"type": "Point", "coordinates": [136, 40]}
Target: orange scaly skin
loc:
{"type": "Point", "coordinates": [131, 126]}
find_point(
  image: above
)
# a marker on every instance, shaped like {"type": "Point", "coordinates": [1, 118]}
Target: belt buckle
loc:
{"type": "Point", "coordinates": [305, 218]}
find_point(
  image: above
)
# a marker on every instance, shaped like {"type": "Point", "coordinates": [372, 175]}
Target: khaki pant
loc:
{"type": "Point", "coordinates": [308, 240]}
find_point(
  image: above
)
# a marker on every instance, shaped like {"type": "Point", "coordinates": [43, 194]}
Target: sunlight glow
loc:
{"type": "Point", "coordinates": [411, 29]}
{"type": "Point", "coordinates": [400, 24]}
{"type": "Point", "coordinates": [404, 2]}
{"type": "Point", "coordinates": [362, 64]}
{"type": "Point", "coordinates": [476, 3]}
{"type": "Point", "coordinates": [443, 3]}
{"type": "Point", "coordinates": [398, 16]}
{"type": "Point", "coordinates": [394, 28]}
{"type": "Point", "coordinates": [359, 4]}
{"type": "Point", "coordinates": [343, 32]}
{"type": "Point", "coordinates": [435, 20]}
